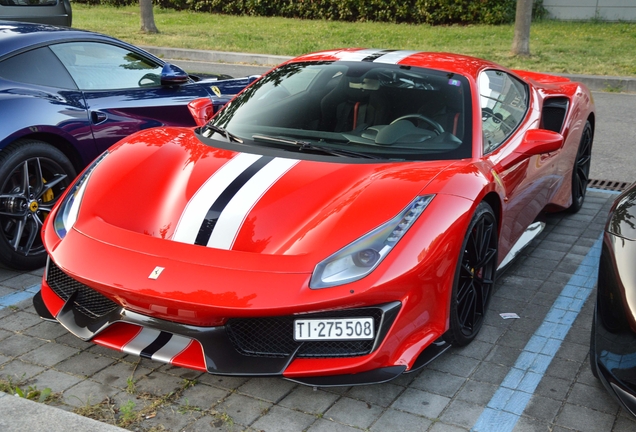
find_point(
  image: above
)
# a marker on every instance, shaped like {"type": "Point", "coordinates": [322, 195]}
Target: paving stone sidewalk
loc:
{"type": "Point", "coordinates": [449, 394]}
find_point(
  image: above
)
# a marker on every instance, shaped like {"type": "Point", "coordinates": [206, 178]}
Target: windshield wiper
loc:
{"type": "Point", "coordinates": [305, 145]}
{"type": "Point", "coordinates": [221, 131]}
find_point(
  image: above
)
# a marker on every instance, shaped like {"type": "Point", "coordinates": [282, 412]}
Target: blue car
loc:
{"type": "Point", "coordinates": [67, 95]}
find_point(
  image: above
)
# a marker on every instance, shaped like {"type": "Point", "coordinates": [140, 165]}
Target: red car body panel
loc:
{"type": "Point", "coordinates": [130, 219]}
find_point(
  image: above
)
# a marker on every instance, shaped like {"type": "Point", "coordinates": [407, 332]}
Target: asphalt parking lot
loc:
{"type": "Point", "coordinates": [525, 374]}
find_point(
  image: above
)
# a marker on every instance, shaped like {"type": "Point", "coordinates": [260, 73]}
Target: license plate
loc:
{"type": "Point", "coordinates": [334, 329]}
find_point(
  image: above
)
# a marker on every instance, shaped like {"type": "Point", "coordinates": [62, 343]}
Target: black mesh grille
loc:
{"type": "Point", "coordinates": [274, 337]}
{"type": "Point", "coordinates": [553, 118]}
{"type": "Point", "coordinates": [554, 110]}
{"type": "Point", "coordinates": [88, 301]}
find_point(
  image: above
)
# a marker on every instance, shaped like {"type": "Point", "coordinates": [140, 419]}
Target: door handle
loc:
{"type": "Point", "coordinates": [98, 117]}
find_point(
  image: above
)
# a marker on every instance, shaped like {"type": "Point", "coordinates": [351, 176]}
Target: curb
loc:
{"type": "Point", "coordinates": [216, 56]}
{"type": "Point", "coordinates": [605, 83]}
{"type": "Point", "coordinates": [593, 82]}
{"type": "Point", "coordinates": [21, 414]}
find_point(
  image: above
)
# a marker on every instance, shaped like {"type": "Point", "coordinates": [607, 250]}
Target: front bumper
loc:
{"type": "Point", "coordinates": [240, 347]}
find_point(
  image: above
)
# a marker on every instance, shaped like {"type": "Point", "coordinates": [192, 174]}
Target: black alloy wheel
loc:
{"type": "Point", "coordinates": [33, 175]}
{"type": "Point", "coordinates": [581, 169]}
{"type": "Point", "coordinates": [474, 277]}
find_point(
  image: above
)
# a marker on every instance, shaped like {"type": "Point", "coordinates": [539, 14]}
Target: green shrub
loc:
{"type": "Point", "coordinates": [434, 12]}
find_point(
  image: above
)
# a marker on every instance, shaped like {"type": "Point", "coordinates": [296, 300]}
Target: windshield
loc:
{"type": "Point", "coordinates": [361, 109]}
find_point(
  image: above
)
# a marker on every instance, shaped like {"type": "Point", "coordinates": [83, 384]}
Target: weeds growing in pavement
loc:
{"type": "Point", "coordinates": [187, 383]}
{"type": "Point", "coordinates": [187, 408]}
{"type": "Point", "coordinates": [103, 411]}
{"type": "Point", "coordinates": [130, 385]}
{"type": "Point", "coordinates": [127, 413]}
{"type": "Point", "coordinates": [222, 419]}
{"type": "Point", "coordinates": [30, 392]}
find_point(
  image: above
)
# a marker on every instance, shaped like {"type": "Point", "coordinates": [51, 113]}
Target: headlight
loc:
{"type": "Point", "coordinates": [359, 258]}
{"type": "Point", "coordinates": [69, 208]}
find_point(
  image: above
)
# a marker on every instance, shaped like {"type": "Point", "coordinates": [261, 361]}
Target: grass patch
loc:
{"type": "Point", "coordinates": [27, 392]}
{"type": "Point", "coordinates": [595, 48]}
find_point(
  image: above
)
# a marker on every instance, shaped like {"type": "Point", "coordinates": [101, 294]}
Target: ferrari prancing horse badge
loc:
{"type": "Point", "coordinates": [155, 273]}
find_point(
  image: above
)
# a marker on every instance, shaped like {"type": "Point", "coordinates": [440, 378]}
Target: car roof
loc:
{"type": "Point", "coordinates": [457, 63]}
{"type": "Point", "coordinates": [16, 36]}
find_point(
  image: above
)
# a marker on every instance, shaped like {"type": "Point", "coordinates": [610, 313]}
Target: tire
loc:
{"type": "Point", "coordinates": [474, 277]}
{"type": "Point", "coordinates": [581, 169]}
{"type": "Point", "coordinates": [33, 175]}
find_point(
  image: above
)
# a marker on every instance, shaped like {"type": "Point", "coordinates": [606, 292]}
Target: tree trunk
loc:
{"type": "Point", "coordinates": [523, 17]}
{"type": "Point", "coordinates": [147, 17]}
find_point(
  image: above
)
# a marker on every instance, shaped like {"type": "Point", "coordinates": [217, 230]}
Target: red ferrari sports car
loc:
{"type": "Point", "coordinates": [340, 222]}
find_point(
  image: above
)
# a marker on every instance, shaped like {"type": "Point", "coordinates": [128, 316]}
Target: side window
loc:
{"type": "Point", "coordinates": [504, 102]}
{"type": "Point", "coordinates": [100, 66]}
{"type": "Point", "coordinates": [38, 66]}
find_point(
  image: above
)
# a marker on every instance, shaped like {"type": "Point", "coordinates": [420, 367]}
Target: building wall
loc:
{"type": "Point", "coordinates": [607, 10]}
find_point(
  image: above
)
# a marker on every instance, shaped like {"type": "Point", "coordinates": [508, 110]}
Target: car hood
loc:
{"type": "Point", "coordinates": [165, 183]}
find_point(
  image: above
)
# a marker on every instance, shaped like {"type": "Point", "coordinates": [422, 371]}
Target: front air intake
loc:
{"type": "Point", "coordinates": [88, 301]}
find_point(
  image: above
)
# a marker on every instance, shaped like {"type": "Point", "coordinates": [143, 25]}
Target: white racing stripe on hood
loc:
{"type": "Point", "coordinates": [394, 57]}
{"type": "Point", "coordinates": [234, 214]}
{"type": "Point", "coordinates": [357, 55]}
{"type": "Point", "coordinates": [195, 211]}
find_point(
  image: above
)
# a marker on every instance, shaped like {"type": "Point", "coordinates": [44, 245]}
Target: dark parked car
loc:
{"type": "Point", "coordinates": [56, 12]}
{"type": "Point", "coordinates": [613, 342]}
{"type": "Point", "coordinates": [66, 95]}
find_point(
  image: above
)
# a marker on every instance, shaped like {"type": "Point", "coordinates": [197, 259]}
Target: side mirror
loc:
{"type": "Point", "coordinates": [535, 142]}
{"type": "Point", "coordinates": [201, 110]}
{"type": "Point", "coordinates": [173, 75]}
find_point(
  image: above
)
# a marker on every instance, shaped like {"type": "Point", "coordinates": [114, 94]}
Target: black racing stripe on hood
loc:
{"type": "Point", "coordinates": [222, 201]}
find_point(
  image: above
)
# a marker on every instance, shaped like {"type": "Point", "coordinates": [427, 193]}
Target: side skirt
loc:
{"type": "Point", "coordinates": [530, 234]}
